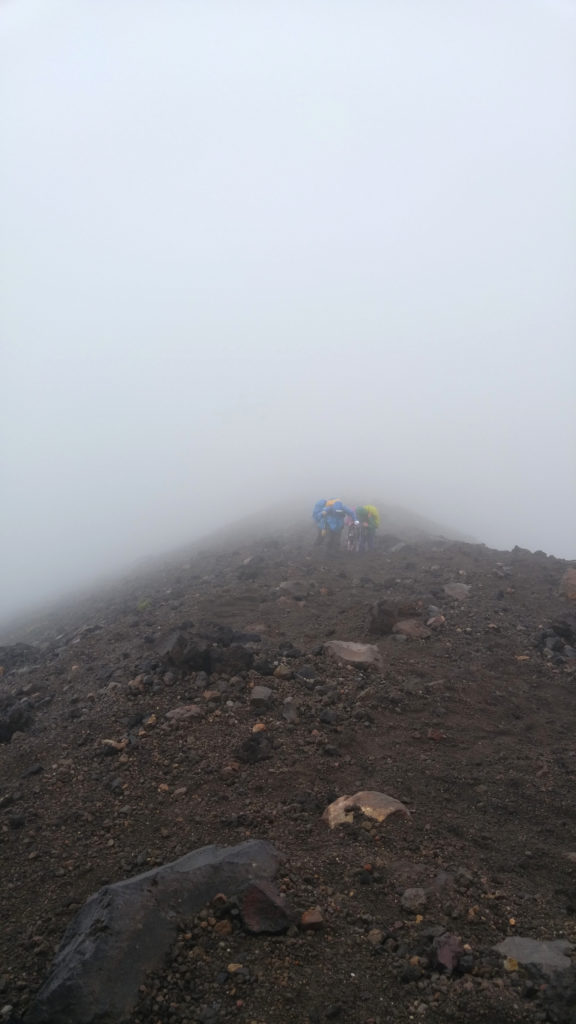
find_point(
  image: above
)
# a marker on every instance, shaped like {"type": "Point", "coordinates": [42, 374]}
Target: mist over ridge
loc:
{"type": "Point", "coordinates": [255, 259]}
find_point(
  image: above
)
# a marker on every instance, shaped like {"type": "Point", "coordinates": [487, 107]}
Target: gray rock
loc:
{"type": "Point", "coordinates": [264, 667]}
{"type": "Point", "coordinates": [414, 900]}
{"type": "Point", "coordinates": [184, 713]}
{"type": "Point", "coordinates": [290, 711]}
{"type": "Point", "coordinates": [261, 696]}
{"type": "Point", "coordinates": [550, 956]}
{"type": "Point", "coordinates": [125, 930]}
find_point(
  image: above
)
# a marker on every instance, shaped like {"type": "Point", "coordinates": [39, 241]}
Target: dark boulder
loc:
{"type": "Point", "coordinates": [231, 660]}
{"type": "Point", "coordinates": [256, 748]}
{"type": "Point", "coordinates": [384, 615]}
{"type": "Point", "coordinates": [14, 656]}
{"type": "Point", "coordinates": [126, 929]}
{"type": "Point", "coordinates": [15, 716]}
{"type": "Point", "coordinates": [185, 652]}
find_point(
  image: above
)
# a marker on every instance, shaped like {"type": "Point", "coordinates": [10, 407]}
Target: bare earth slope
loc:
{"type": "Point", "coordinates": [471, 727]}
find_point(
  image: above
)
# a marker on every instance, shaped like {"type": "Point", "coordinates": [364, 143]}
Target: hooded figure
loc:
{"type": "Point", "coordinates": [329, 515]}
{"type": "Point", "coordinates": [369, 519]}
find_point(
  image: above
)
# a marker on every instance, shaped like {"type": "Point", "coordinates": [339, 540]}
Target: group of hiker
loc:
{"type": "Point", "coordinates": [332, 515]}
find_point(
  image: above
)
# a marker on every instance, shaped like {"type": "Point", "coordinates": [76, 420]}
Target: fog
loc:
{"type": "Point", "coordinates": [253, 252]}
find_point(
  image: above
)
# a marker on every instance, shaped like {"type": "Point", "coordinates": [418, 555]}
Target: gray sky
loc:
{"type": "Point", "coordinates": [257, 249]}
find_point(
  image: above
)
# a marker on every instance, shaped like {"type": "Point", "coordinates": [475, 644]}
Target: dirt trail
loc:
{"type": "Point", "coordinates": [472, 728]}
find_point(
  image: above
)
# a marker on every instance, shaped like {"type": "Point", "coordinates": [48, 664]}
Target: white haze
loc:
{"type": "Point", "coordinates": [258, 250]}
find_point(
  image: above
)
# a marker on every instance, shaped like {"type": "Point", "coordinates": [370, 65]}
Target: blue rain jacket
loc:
{"type": "Point", "coordinates": [336, 512]}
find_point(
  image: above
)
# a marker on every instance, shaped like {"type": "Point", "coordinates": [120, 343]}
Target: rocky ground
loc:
{"type": "Point", "coordinates": [197, 704]}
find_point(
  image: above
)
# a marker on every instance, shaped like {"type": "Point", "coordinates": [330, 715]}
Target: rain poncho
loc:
{"type": "Point", "coordinates": [369, 515]}
{"type": "Point", "coordinates": [336, 513]}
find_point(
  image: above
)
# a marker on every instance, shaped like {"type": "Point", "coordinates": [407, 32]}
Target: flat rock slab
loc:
{"type": "Point", "coordinates": [126, 929]}
{"type": "Point", "coordinates": [361, 655]}
{"type": "Point", "coordinates": [372, 804]}
{"type": "Point", "coordinates": [550, 956]}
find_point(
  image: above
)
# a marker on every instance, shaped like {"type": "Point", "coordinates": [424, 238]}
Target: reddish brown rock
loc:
{"type": "Point", "coordinates": [448, 950]}
{"type": "Point", "coordinates": [263, 909]}
{"type": "Point", "coordinates": [312, 920]}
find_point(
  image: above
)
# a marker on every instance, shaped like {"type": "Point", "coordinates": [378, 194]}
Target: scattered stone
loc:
{"type": "Point", "coordinates": [412, 628]}
{"type": "Point", "coordinates": [375, 937]}
{"type": "Point", "coordinates": [550, 956]}
{"type": "Point", "coordinates": [361, 655]}
{"type": "Point", "coordinates": [329, 716]}
{"type": "Point", "coordinates": [436, 621]}
{"type": "Point", "coordinates": [435, 734]}
{"type": "Point", "coordinates": [459, 591]}
{"type": "Point", "coordinates": [114, 746]}
{"type": "Point", "coordinates": [312, 920]}
{"type": "Point", "coordinates": [256, 748]}
{"type": "Point", "coordinates": [284, 672]}
{"type": "Point", "coordinates": [184, 713]}
{"type": "Point", "coordinates": [185, 652]}
{"type": "Point", "coordinates": [263, 667]}
{"type": "Point", "coordinates": [414, 900]}
{"type": "Point", "coordinates": [384, 615]}
{"type": "Point", "coordinates": [290, 711]}
{"type": "Point", "coordinates": [231, 660]}
{"type": "Point", "coordinates": [261, 696]}
{"type": "Point", "coordinates": [126, 929]}
{"type": "Point", "coordinates": [306, 672]}
{"type": "Point", "coordinates": [264, 909]}
{"type": "Point", "coordinates": [448, 950]}
{"type": "Point", "coordinates": [372, 804]}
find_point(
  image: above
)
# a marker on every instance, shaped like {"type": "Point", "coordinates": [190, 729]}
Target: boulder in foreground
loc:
{"type": "Point", "coordinates": [126, 929]}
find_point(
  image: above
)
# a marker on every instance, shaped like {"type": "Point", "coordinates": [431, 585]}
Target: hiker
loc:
{"type": "Point", "coordinates": [369, 519]}
{"type": "Point", "coordinates": [329, 515]}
